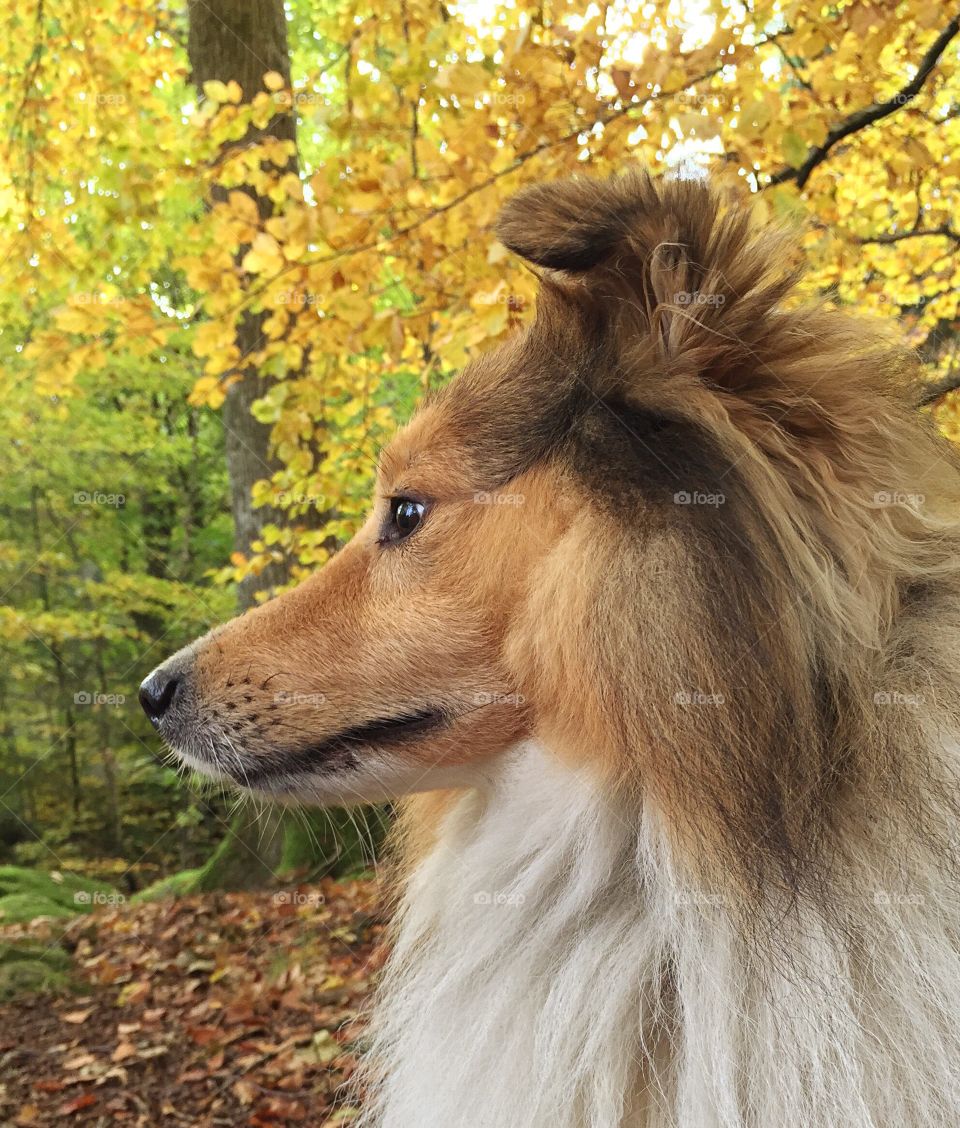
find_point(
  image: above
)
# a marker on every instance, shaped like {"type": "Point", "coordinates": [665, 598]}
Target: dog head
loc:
{"type": "Point", "coordinates": [644, 532]}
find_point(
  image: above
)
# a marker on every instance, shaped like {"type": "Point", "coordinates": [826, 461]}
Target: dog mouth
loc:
{"type": "Point", "coordinates": [339, 751]}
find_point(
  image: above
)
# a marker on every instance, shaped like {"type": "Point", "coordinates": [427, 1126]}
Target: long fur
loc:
{"type": "Point", "coordinates": [753, 918]}
{"type": "Point", "coordinates": [553, 969]}
{"type": "Point", "coordinates": [696, 700]}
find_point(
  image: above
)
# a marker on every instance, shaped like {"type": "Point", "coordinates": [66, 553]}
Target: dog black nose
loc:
{"type": "Point", "coordinates": [156, 693]}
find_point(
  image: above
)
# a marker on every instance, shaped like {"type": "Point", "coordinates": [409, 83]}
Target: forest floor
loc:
{"type": "Point", "coordinates": [219, 1010]}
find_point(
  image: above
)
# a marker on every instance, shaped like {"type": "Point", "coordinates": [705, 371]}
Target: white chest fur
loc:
{"type": "Point", "coordinates": [552, 972]}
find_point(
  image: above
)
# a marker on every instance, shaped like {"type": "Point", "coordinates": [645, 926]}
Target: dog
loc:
{"type": "Point", "coordinates": [654, 627]}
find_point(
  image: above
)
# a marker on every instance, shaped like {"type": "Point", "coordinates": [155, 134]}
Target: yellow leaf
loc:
{"type": "Point", "coordinates": [243, 206]}
{"type": "Point", "coordinates": [264, 256]}
{"type": "Point", "coordinates": [794, 149]}
{"type": "Point", "coordinates": [754, 117]}
{"type": "Point", "coordinates": [351, 307]}
{"type": "Point", "coordinates": [216, 90]}
{"type": "Point", "coordinates": [72, 320]}
{"type": "Point", "coordinates": [208, 391]}
{"type": "Point", "coordinates": [464, 80]}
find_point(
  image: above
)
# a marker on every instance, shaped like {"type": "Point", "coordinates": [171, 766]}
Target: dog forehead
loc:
{"type": "Point", "coordinates": [430, 447]}
{"type": "Point", "coordinates": [502, 414]}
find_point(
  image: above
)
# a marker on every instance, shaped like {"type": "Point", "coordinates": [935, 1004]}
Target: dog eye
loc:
{"type": "Point", "coordinates": [405, 516]}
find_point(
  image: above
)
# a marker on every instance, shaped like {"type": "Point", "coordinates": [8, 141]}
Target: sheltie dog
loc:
{"type": "Point", "coordinates": [655, 622]}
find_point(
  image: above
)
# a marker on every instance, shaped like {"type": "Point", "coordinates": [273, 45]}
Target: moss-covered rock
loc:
{"type": "Point", "coordinates": [20, 908]}
{"type": "Point", "coordinates": [69, 892]}
{"type": "Point", "coordinates": [27, 967]}
{"type": "Point", "coordinates": [180, 884]}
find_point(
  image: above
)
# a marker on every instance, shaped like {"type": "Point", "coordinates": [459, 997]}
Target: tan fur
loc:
{"type": "Point", "coordinates": [377, 630]}
{"type": "Point", "coordinates": [763, 687]}
{"type": "Point", "coordinates": [564, 602]}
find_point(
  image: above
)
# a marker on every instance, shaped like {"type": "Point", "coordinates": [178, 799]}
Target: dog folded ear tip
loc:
{"type": "Point", "coordinates": [565, 225]}
{"type": "Point", "coordinates": [575, 224]}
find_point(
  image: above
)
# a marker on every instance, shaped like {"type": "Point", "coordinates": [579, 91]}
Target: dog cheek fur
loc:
{"type": "Point", "coordinates": [705, 876]}
{"type": "Point", "coordinates": [729, 872]}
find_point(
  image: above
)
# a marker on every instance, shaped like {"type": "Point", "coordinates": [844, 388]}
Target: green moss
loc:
{"type": "Point", "coordinates": [28, 967]}
{"type": "Point", "coordinates": [18, 908]}
{"type": "Point", "coordinates": [180, 884]}
{"type": "Point", "coordinates": [68, 891]}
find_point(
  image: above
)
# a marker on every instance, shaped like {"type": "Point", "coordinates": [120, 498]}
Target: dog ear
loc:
{"type": "Point", "coordinates": [668, 263]}
{"type": "Point", "coordinates": [688, 293]}
{"type": "Point", "coordinates": [633, 234]}
{"type": "Point", "coordinates": [573, 225]}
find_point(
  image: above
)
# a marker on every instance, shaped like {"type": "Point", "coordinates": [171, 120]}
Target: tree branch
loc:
{"type": "Point", "coordinates": [932, 393]}
{"type": "Point", "coordinates": [861, 119]}
{"type": "Point", "coordinates": [944, 230]}
{"type": "Point", "coordinates": [796, 71]}
{"type": "Point", "coordinates": [383, 241]}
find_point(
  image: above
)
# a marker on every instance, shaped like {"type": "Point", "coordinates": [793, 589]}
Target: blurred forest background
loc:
{"type": "Point", "coordinates": [239, 238]}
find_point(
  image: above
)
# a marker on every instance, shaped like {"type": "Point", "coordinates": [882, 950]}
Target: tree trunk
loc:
{"type": "Point", "coordinates": [63, 691]}
{"type": "Point", "coordinates": [242, 40]}
{"type": "Point", "coordinates": [248, 856]}
{"type": "Point", "coordinates": [113, 820]}
{"type": "Point", "coordinates": [321, 842]}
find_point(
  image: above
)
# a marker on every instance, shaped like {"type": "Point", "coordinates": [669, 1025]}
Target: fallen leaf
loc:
{"type": "Point", "coordinates": [204, 1035]}
{"type": "Point", "coordinates": [79, 1061]}
{"type": "Point", "coordinates": [246, 1091]}
{"type": "Point", "coordinates": [133, 993]}
{"type": "Point", "coordinates": [76, 1017]}
{"type": "Point", "coordinates": [85, 1100]}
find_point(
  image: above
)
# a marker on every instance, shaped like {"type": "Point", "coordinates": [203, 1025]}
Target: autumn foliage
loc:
{"type": "Point", "coordinates": [378, 274]}
{"type": "Point", "coordinates": [232, 1010]}
{"type": "Point", "coordinates": [149, 217]}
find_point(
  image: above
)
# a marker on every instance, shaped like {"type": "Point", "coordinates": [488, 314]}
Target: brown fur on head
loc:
{"type": "Point", "coordinates": [655, 538]}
